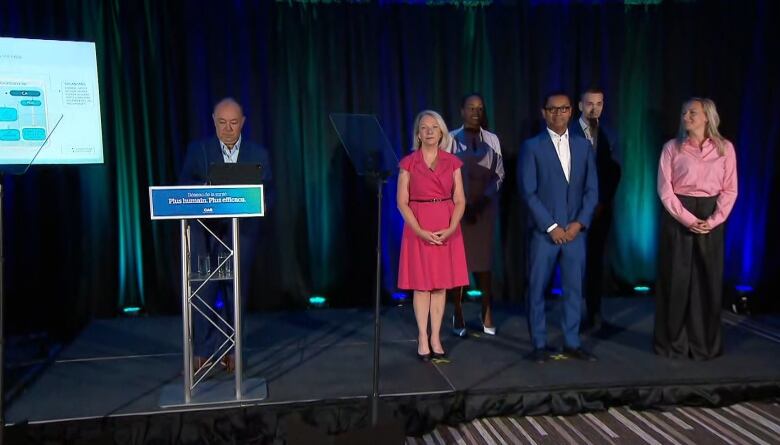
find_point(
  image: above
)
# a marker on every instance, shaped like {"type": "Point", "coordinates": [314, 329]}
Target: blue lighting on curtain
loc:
{"type": "Point", "coordinates": [746, 226]}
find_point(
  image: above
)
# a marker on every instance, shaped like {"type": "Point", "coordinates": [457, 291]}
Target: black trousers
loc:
{"type": "Point", "coordinates": [594, 269]}
{"type": "Point", "coordinates": [689, 289]}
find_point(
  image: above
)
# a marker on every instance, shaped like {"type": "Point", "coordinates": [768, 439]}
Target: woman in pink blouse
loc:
{"type": "Point", "coordinates": [697, 184]}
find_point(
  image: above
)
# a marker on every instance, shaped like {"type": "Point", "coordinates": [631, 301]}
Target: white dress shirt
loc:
{"type": "Point", "coordinates": [228, 155]}
{"type": "Point", "coordinates": [587, 130]}
{"type": "Point", "coordinates": [561, 143]}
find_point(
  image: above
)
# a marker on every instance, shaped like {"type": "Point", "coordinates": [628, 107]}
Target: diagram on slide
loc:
{"type": "Point", "coordinates": [49, 103]}
{"type": "Point", "coordinates": [23, 121]}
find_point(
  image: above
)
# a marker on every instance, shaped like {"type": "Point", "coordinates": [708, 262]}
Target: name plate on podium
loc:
{"type": "Point", "coordinates": [206, 201]}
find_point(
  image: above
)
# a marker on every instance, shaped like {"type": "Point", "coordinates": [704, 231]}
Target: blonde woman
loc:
{"type": "Point", "coordinates": [697, 184]}
{"type": "Point", "coordinates": [431, 200]}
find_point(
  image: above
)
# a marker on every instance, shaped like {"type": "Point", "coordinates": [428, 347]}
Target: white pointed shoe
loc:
{"type": "Point", "coordinates": [489, 331]}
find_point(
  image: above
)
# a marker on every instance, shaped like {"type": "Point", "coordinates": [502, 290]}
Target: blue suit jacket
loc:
{"type": "Point", "coordinates": [202, 154]}
{"type": "Point", "coordinates": [550, 199]}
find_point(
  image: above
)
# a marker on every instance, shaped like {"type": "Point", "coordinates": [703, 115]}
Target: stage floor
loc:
{"type": "Point", "coordinates": [118, 367]}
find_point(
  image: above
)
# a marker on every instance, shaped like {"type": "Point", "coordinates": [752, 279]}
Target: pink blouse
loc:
{"type": "Point", "coordinates": [689, 171]}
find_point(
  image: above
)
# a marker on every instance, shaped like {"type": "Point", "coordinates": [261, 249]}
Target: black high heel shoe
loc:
{"type": "Point", "coordinates": [424, 357]}
{"type": "Point", "coordinates": [438, 355]}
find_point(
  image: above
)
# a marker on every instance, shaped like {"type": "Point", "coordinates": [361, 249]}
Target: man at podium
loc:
{"type": "Point", "coordinates": [228, 147]}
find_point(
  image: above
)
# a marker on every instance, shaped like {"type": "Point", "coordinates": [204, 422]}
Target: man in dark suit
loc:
{"type": "Point", "coordinates": [227, 147]}
{"type": "Point", "coordinates": [558, 182]}
{"type": "Point", "coordinates": [589, 126]}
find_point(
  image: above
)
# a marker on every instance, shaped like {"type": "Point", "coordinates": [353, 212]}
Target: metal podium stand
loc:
{"type": "Point", "coordinates": [196, 203]}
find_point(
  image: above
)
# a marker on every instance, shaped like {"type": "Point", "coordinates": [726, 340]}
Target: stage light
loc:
{"type": "Point", "coordinates": [400, 297]}
{"type": "Point", "coordinates": [474, 293]}
{"type": "Point", "coordinates": [131, 310]}
{"type": "Point", "coordinates": [641, 289]}
{"type": "Point", "coordinates": [219, 304]}
{"type": "Point", "coordinates": [317, 301]}
{"type": "Point", "coordinates": [556, 291]}
{"type": "Point", "coordinates": [743, 299]}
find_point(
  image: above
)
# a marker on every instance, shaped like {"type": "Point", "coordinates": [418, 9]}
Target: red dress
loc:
{"type": "Point", "coordinates": [424, 266]}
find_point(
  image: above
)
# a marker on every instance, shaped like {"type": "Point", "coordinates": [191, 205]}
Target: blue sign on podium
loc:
{"type": "Point", "coordinates": [206, 201]}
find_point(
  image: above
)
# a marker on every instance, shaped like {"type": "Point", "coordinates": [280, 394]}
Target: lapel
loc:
{"type": "Point", "coordinates": [214, 151]}
{"type": "Point", "coordinates": [551, 156]}
{"type": "Point", "coordinates": [602, 143]}
{"type": "Point", "coordinates": [245, 152]}
{"type": "Point", "coordinates": [457, 132]}
{"type": "Point", "coordinates": [576, 154]}
{"type": "Point", "coordinates": [576, 128]}
{"type": "Point", "coordinates": [456, 144]}
{"type": "Point", "coordinates": [438, 170]}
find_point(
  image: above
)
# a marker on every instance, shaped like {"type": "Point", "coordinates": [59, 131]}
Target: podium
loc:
{"type": "Point", "coordinates": [193, 204]}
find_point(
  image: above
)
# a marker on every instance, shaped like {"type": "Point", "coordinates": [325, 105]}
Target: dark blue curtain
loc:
{"type": "Point", "coordinates": [79, 243]}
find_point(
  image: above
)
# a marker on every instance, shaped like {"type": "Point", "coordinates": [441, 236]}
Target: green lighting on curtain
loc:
{"type": "Point", "coordinates": [129, 168]}
{"type": "Point", "coordinates": [636, 201]}
{"type": "Point", "coordinates": [477, 66]}
{"type": "Point", "coordinates": [474, 293]}
{"type": "Point", "coordinates": [310, 121]}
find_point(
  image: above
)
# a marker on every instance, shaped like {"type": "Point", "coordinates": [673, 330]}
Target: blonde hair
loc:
{"type": "Point", "coordinates": [445, 141]}
{"type": "Point", "coordinates": [711, 128]}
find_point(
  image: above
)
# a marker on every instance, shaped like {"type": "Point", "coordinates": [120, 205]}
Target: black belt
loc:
{"type": "Point", "coordinates": [431, 200]}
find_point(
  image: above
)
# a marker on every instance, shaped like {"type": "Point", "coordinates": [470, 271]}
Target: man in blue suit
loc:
{"type": "Point", "coordinates": [227, 147]}
{"type": "Point", "coordinates": [557, 178]}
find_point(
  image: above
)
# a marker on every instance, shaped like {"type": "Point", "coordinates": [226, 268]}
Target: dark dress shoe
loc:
{"type": "Point", "coordinates": [424, 357]}
{"type": "Point", "coordinates": [579, 354]}
{"type": "Point", "coordinates": [539, 355]}
{"type": "Point", "coordinates": [439, 355]}
{"type": "Point", "coordinates": [229, 363]}
{"type": "Point", "coordinates": [592, 324]}
{"type": "Point", "coordinates": [199, 362]}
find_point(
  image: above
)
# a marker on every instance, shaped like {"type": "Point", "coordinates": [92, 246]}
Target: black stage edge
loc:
{"type": "Point", "coordinates": [105, 386]}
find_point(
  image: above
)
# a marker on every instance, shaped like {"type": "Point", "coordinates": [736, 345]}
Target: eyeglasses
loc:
{"type": "Point", "coordinates": [558, 110]}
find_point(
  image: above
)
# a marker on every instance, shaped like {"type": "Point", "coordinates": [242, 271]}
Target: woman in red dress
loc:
{"type": "Point", "coordinates": [431, 201]}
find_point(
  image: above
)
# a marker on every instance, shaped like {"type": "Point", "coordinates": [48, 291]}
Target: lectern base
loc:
{"type": "Point", "coordinates": [213, 392]}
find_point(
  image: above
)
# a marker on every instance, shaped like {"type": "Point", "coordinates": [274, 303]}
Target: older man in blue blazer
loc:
{"type": "Point", "coordinates": [227, 147]}
{"type": "Point", "coordinates": [557, 179]}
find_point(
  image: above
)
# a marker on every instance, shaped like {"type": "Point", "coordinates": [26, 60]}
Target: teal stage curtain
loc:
{"type": "Point", "coordinates": [79, 240]}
